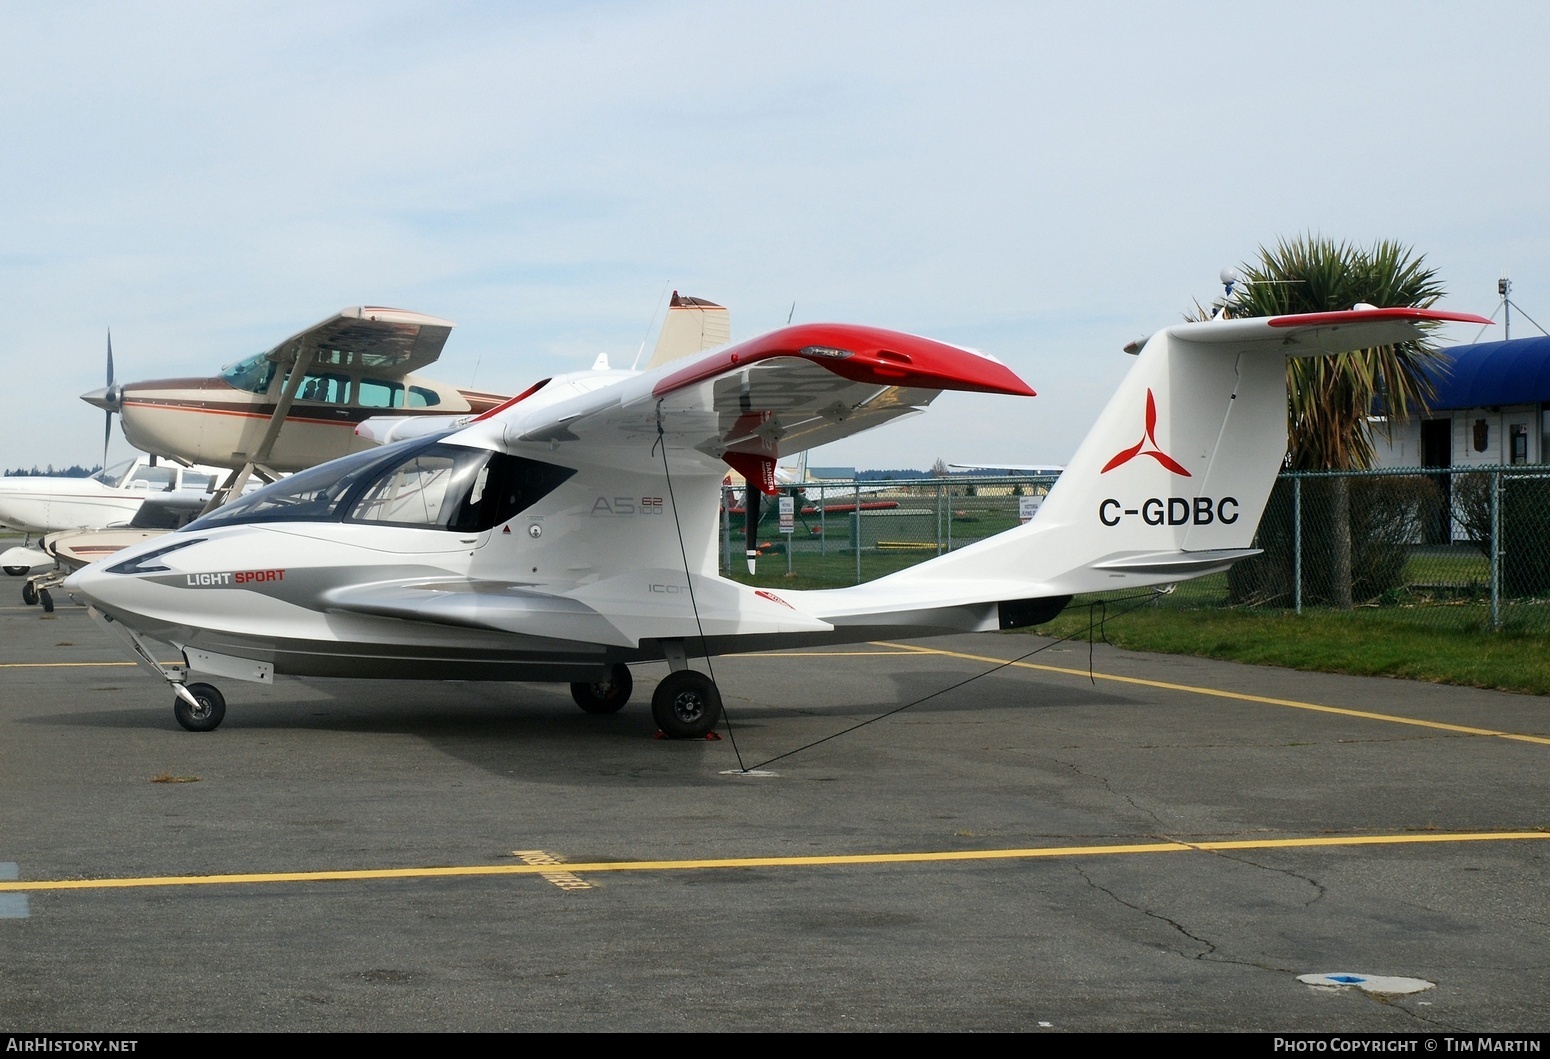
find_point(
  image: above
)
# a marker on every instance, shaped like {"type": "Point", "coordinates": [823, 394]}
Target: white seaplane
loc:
{"type": "Point", "coordinates": [571, 531]}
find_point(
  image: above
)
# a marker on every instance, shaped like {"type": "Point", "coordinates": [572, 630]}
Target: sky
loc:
{"type": "Point", "coordinates": [1044, 182]}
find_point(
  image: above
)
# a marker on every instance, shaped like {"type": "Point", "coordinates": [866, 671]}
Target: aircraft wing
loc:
{"type": "Point", "coordinates": [1309, 334]}
{"type": "Point", "coordinates": [390, 342]}
{"type": "Point", "coordinates": [785, 391]}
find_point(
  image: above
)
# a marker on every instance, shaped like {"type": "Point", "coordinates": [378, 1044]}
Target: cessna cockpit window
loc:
{"type": "Point", "coordinates": [253, 374]}
{"type": "Point", "coordinates": [414, 483]}
{"type": "Point", "coordinates": [379, 393]}
{"type": "Point", "coordinates": [329, 389]}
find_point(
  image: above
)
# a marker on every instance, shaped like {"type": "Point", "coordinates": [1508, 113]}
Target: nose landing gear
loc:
{"type": "Point", "coordinates": [198, 707]}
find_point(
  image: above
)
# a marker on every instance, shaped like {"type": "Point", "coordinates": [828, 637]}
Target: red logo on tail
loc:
{"type": "Point", "coordinates": [1140, 447]}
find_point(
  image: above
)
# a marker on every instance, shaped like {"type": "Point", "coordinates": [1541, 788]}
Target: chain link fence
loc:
{"type": "Point", "coordinates": [1454, 548]}
{"type": "Point", "coordinates": [844, 533]}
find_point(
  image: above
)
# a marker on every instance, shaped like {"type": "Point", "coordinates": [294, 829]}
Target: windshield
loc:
{"type": "Point", "coordinates": [113, 476]}
{"type": "Point", "coordinates": [419, 483]}
{"type": "Point", "coordinates": [252, 374]}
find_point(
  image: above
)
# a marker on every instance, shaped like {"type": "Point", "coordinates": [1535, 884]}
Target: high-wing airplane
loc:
{"type": "Point", "coordinates": [318, 384]}
{"type": "Point", "coordinates": [571, 531]}
{"type": "Point", "coordinates": [298, 404]}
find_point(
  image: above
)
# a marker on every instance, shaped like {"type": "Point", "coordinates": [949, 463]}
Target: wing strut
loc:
{"type": "Point", "coordinates": [238, 479]}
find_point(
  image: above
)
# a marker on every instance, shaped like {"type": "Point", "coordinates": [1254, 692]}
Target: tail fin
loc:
{"type": "Point", "coordinates": [692, 325]}
{"type": "Point", "coordinates": [1172, 480]}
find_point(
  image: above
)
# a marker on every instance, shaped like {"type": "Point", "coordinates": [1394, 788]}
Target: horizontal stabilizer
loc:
{"type": "Point", "coordinates": [1177, 564]}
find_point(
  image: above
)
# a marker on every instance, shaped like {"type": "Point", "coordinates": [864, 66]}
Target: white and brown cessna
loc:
{"type": "Point", "coordinates": [322, 383]}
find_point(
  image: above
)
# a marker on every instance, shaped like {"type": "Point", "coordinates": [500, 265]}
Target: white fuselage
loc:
{"type": "Point", "coordinates": [110, 498]}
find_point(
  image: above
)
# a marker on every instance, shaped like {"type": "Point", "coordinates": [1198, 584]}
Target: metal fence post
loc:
{"type": "Point", "coordinates": [949, 515]}
{"type": "Point", "coordinates": [726, 528]}
{"type": "Point", "coordinates": [939, 516]}
{"type": "Point", "coordinates": [1297, 545]}
{"type": "Point", "coordinates": [1496, 548]}
{"type": "Point", "coordinates": [855, 530]}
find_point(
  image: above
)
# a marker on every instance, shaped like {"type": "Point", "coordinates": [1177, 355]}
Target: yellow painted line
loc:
{"type": "Point", "coordinates": [822, 654]}
{"type": "Point", "coordinates": [544, 869]}
{"type": "Point", "coordinates": [1240, 696]}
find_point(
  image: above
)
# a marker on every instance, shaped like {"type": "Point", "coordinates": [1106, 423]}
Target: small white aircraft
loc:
{"type": "Point", "coordinates": [39, 505]}
{"type": "Point", "coordinates": [572, 530]}
{"type": "Point", "coordinates": [137, 492]}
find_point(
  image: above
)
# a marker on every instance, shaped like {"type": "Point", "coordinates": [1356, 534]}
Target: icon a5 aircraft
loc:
{"type": "Point", "coordinates": [572, 530]}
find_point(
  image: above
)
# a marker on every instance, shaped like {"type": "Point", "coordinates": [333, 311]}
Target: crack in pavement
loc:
{"type": "Point", "coordinates": [1210, 947]}
{"type": "Point", "coordinates": [1110, 788]}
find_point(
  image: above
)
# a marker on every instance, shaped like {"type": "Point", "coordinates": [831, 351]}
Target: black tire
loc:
{"type": "Point", "coordinates": [47, 601]}
{"type": "Point", "coordinates": [686, 705]}
{"type": "Point", "coordinates": [17, 571]}
{"type": "Point", "coordinates": [30, 594]}
{"type": "Point", "coordinates": [605, 696]}
{"type": "Point", "coordinates": [212, 709]}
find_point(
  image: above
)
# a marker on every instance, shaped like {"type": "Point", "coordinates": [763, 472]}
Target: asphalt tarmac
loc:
{"type": "Point", "coordinates": [1167, 845]}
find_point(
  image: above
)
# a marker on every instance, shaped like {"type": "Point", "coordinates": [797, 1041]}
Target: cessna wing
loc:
{"type": "Point", "coordinates": [390, 343]}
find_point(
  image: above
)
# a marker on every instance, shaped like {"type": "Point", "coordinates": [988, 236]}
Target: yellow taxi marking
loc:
{"type": "Point", "coordinates": [826, 654]}
{"type": "Point", "coordinates": [547, 863]}
{"type": "Point", "coordinates": [1240, 696]}
{"type": "Point", "coordinates": [561, 877]}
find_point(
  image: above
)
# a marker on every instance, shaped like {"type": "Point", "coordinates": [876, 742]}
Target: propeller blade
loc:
{"type": "Point", "coordinates": [107, 432]}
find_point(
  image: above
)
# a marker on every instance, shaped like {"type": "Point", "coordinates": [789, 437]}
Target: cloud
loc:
{"type": "Point", "coordinates": [1046, 183]}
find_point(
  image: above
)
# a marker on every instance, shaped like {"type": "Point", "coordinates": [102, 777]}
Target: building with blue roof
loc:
{"type": "Point", "coordinates": [1492, 407]}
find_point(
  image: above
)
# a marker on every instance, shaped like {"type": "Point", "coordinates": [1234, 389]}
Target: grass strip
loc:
{"type": "Point", "coordinates": [1359, 643]}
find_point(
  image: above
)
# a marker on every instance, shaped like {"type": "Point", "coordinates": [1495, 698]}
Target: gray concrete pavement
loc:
{"type": "Point", "coordinates": [1179, 933]}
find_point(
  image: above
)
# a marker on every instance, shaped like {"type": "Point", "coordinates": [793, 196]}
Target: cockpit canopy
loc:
{"type": "Point", "coordinates": [419, 483]}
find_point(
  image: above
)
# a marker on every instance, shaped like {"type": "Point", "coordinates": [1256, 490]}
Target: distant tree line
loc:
{"type": "Point", "coordinates": [889, 476]}
{"type": "Point", "coordinates": [76, 471]}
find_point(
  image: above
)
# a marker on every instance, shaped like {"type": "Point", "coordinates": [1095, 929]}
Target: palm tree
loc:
{"type": "Point", "coordinates": [1332, 399]}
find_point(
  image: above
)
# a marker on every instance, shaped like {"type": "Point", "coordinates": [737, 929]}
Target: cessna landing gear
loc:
{"type": "Point", "coordinates": [686, 705]}
{"type": "Point", "coordinates": [17, 571]}
{"type": "Point", "coordinates": [605, 696]}
{"type": "Point", "coordinates": [204, 713]}
{"type": "Point", "coordinates": [30, 594]}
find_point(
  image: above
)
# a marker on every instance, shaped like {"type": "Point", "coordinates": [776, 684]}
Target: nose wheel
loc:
{"type": "Point", "coordinates": [198, 707]}
{"type": "Point", "coordinates": [686, 705]}
{"type": "Point", "coordinates": [605, 696]}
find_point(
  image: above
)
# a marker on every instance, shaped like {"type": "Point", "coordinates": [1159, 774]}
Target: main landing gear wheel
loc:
{"type": "Point", "coordinates": [17, 571]}
{"type": "Point", "coordinates": [207, 715]}
{"type": "Point", "coordinates": [47, 601]}
{"type": "Point", "coordinates": [30, 594]}
{"type": "Point", "coordinates": [686, 705]}
{"type": "Point", "coordinates": [605, 696]}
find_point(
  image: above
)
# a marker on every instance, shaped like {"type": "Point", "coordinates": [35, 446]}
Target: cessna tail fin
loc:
{"type": "Point", "coordinates": [692, 325]}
